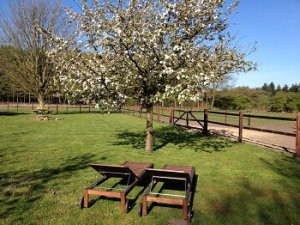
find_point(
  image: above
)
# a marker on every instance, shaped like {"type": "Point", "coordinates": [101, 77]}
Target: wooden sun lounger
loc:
{"type": "Point", "coordinates": [173, 174]}
{"type": "Point", "coordinates": [133, 172]}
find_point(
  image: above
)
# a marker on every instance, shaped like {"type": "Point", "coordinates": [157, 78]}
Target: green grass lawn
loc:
{"type": "Point", "coordinates": [44, 170]}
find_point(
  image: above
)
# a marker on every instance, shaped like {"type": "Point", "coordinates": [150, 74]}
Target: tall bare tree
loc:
{"type": "Point", "coordinates": [23, 56]}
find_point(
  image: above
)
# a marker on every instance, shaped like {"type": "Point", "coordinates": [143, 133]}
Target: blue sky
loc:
{"type": "Point", "coordinates": [275, 26]}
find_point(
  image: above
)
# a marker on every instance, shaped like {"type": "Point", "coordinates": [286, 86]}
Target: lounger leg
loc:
{"type": "Point", "coordinates": [86, 199]}
{"type": "Point", "coordinates": [185, 209]}
{"type": "Point", "coordinates": [123, 201]}
{"type": "Point", "coordinates": [145, 206]}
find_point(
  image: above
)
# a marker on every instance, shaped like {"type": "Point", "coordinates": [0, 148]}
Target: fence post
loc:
{"type": "Point", "coordinates": [140, 110]}
{"type": "Point", "coordinates": [79, 108]}
{"type": "Point", "coordinates": [240, 138]}
{"type": "Point", "coordinates": [89, 107]}
{"type": "Point", "coordinates": [56, 108]}
{"type": "Point", "coordinates": [158, 113]}
{"type": "Point", "coordinates": [171, 114]}
{"type": "Point", "coordinates": [7, 106]}
{"type": "Point", "coordinates": [298, 135]}
{"type": "Point", "coordinates": [17, 101]}
{"type": "Point", "coordinates": [187, 119]}
{"type": "Point", "coordinates": [205, 125]}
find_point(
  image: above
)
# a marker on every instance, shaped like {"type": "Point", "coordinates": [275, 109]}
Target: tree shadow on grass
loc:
{"type": "Point", "coordinates": [21, 188]}
{"type": "Point", "coordinates": [176, 136]}
{"type": "Point", "coordinates": [12, 113]}
{"type": "Point", "coordinates": [252, 202]}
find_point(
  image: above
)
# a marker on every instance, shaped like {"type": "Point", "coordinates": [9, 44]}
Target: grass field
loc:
{"type": "Point", "coordinates": [44, 170]}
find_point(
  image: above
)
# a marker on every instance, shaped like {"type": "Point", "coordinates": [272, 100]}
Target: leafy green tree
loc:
{"type": "Point", "coordinates": [278, 102]}
{"type": "Point", "coordinates": [224, 102]}
{"type": "Point", "coordinates": [292, 102]}
{"type": "Point", "coordinates": [242, 102]}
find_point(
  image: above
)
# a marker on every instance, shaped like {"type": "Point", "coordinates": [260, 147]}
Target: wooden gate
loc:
{"type": "Point", "coordinates": [188, 116]}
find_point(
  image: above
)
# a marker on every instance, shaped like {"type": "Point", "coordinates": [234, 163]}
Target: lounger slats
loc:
{"type": "Point", "coordinates": [187, 169]}
{"type": "Point", "coordinates": [167, 174]}
{"type": "Point", "coordinates": [171, 173]}
{"type": "Point", "coordinates": [137, 168]}
{"type": "Point", "coordinates": [103, 169]}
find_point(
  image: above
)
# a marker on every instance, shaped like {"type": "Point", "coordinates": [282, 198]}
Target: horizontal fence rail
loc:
{"type": "Point", "coordinates": [199, 119]}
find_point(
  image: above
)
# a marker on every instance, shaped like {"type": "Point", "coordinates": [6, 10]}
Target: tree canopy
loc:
{"type": "Point", "coordinates": [148, 50]}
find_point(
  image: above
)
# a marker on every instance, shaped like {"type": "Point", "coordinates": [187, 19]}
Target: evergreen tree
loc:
{"type": "Point", "coordinates": [285, 88]}
{"type": "Point", "coordinates": [265, 87]}
{"type": "Point", "coordinates": [272, 88]}
{"type": "Point", "coordinates": [295, 88]}
{"type": "Point", "coordinates": [278, 88]}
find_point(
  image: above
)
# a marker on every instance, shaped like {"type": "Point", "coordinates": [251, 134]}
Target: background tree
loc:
{"type": "Point", "coordinates": [4, 88]}
{"type": "Point", "coordinates": [271, 88]}
{"type": "Point", "coordinates": [265, 87]}
{"type": "Point", "coordinates": [278, 88]}
{"type": "Point", "coordinates": [23, 56]}
{"type": "Point", "coordinates": [278, 102]}
{"type": "Point", "coordinates": [285, 88]}
{"type": "Point", "coordinates": [295, 88]}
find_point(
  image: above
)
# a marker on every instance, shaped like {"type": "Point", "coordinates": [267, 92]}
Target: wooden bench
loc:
{"type": "Point", "coordinates": [174, 175]}
{"type": "Point", "coordinates": [41, 111]}
{"type": "Point", "coordinates": [133, 172]}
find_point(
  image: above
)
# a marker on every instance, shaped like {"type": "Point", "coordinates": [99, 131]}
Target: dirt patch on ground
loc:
{"type": "Point", "coordinates": [43, 118]}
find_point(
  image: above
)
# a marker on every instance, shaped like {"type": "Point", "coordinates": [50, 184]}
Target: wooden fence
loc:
{"type": "Point", "coordinates": [199, 119]}
{"type": "Point", "coordinates": [189, 118]}
{"type": "Point", "coordinates": [52, 108]}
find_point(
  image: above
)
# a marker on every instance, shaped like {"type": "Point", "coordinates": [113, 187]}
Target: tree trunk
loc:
{"type": "Point", "coordinates": [213, 101]}
{"type": "Point", "coordinates": [213, 96]}
{"type": "Point", "coordinates": [41, 102]}
{"type": "Point", "coordinates": [149, 128]}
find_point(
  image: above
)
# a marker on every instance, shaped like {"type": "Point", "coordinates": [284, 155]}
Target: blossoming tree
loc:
{"type": "Point", "coordinates": [148, 50]}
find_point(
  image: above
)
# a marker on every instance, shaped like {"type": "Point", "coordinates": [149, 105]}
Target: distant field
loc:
{"type": "Point", "coordinates": [44, 170]}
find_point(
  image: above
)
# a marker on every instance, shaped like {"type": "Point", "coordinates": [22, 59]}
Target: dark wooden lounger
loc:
{"type": "Point", "coordinates": [175, 174]}
{"type": "Point", "coordinates": [134, 172]}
